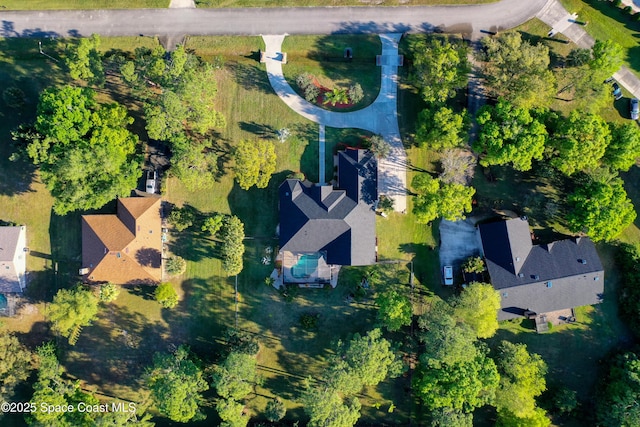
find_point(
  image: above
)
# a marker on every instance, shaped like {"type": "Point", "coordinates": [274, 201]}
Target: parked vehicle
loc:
{"type": "Point", "coordinates": [617, 92]}
{"type": "Point", "coordinates": [151, 184]}
{"type": "Point", "coordinates": [634, 108]}
{"type": "Point", "coordinates": [447, 273]}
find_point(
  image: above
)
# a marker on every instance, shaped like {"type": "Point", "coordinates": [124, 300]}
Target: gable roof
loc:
{"type": "Point", "coordinates": [125, 248]}
{"type": "Point", "coordinates": [12, 259]}
{"type": "Point", "coordinates": [559, 275]}
{"type": "Point", "coordinates": [340, 221]}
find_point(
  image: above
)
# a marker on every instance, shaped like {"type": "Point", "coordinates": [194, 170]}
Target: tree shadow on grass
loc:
{"type": "Point", "coordinates": [257, 208]}
{"type": "Point", "coordinates": [251, 77]}
{"type": "Point", "coordinates": [22, 67]}
{"type": "Point", "coordinates": [203, 315]}
{"type": "Point", "coordinates": [193, 244]}
{"type": "Point", "coordinates": [114, 351]}
{"type": "Point", "coordinates": [263, 131]}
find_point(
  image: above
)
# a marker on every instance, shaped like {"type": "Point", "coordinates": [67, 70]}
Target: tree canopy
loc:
{"type": "Point", "coordinates": [461, 386]}
{"type": "Point", "coordinates": [395, 310]}
{"type": "Point", "coordinates": [440, 67]}
{"type": "Point", "coordinates": [509, 135]}
{"type": "Point", "coordinates": [435, 199]}
{"type": "Point", "coordinates": [617, 403]}
{"type": "Point", "coordinates": [580, 141]}
{"type": "Point", "coordinates": [440, 128]}
{"type": "Point", "coordinates": [255, 163]}
{"type": "Point", "coordinates": [232, 248]}
{"type": "Point", "coordinates": [84, 61]}
{"type": "Point", "coordinates": [327, 409]}
{"type": "Point", "coordinates": [70, 310]}
{"type": "Point", "coordinates": [517, 70]}
{"type": "Point", "coordinates": [521, 380]}
{"type": "Point", "coordinates": [15, 363]}
{"type": "Point", "coordinates": [87, 157]}
{"type": "Point", "coordinates": [600, 209]}
{"type": "Point", "coordinates": [166, 295]}
{"type": "Point", "coordinates": [176, 383]}
{"type": "Point", "coordinates": [624, 148]}
{"type": "Point", "coordinates": [236, 376]}
{"type": "Point", "coordinates": [478, 307]}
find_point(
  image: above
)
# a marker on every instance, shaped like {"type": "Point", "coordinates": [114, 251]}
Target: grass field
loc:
{"type": "Point", "coordinates": [82, 4]}
{"type": "Point", "coordinates": [323, 57]}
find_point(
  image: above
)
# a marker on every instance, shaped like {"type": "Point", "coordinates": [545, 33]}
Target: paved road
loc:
{"type": "Point", "coordinates": [380, 117]}
{"type": "Point", "coordinates": [470, 20]}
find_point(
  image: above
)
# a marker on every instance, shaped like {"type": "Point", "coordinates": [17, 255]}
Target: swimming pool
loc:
{"type": "Point", "coordinates": [306, 265]}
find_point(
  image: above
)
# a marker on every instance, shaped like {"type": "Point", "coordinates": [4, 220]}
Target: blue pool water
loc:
{"type": "Point", "coordinates": [306, 265]}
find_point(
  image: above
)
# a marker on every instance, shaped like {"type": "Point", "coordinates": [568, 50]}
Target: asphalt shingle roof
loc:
{"type": "Point", "coordinates": [560, 275]}
{"type": "Point", "coordinates": [11, 268]}
{"type": "Point", "coordinates": [125, 248]}
{"type": "Point", "coordinates": [339, 221]}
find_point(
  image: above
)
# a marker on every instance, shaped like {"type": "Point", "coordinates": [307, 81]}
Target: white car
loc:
{"type": "Point", "coordinates": [447, 273]}
{"type": "Point", "coordinates": [150, 186]}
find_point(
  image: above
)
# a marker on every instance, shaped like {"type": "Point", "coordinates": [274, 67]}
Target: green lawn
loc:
{"type": "Point", "coordinates": [608, 22]}
{"type": "Point", "coordinates": [82, 4]}
{"type": "Point", "coordinates": [323, 57]}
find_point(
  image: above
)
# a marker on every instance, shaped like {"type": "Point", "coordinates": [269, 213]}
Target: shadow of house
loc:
{"type": "Point", "coordinates": [537, 279]}
{"type": "Point", "coordinates": [322, 227]}
{"type": "Point", "coordinates": [125, 248]}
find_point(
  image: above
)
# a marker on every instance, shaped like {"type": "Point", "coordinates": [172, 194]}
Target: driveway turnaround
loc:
{"type": "Point", "coordinates": [380, 117]}
{"type": "Point", "coordinates": [469, 20]}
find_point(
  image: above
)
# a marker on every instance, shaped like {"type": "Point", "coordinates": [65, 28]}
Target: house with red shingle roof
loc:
{"type": "Point", "coordinates": [125, 248]}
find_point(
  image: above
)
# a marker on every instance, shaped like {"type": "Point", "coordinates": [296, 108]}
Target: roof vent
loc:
{"type": "Point", "coordinates": [517, 258]}
{"type": "Point", "coordinates": [524, 218]}
{"type": "Point", "coordinates": [582, 261]}
{"type": "Point", "coordinates": [535, 277]}
{"type": "Point", "coordinates": [520, 274]}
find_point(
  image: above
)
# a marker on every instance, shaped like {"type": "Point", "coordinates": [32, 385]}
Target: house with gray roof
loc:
{"type": "Point", "coordinates": [322, 226]}
{"type": "Point", "coordinates": [13, 265]}
{"type": "Point", "coordinates": [537, 279]}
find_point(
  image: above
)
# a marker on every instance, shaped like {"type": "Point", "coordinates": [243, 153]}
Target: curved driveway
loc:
{"type": "Point", "coordinates": [470, 19]}
{"type": "Point", "coordinates": [380, 117]}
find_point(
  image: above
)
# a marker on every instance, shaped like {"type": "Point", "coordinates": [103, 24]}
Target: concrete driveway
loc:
{"type": "Point", "coordinates": [458, 241]}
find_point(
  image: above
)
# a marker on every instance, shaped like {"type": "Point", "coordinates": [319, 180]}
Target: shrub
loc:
{"type": "Point", "coordinates": [629, 10]}
{"type": "Point", "coordinates": [175, 265]}
{"type": "Point", "coordinates": [311, 93]}
{"type": "Point", "coordinates": [182, 218]}
{"type": "Point", "coordinates": [109, 292]}
{"type": "Point", "coordinates": [309, 321]}
{"type": "Point", "coordinates": [304, 80]}
{"type": "Point", "coordinates": [166, 295]}
{"type": "Point", "coordinates": [275, 410]}
{"type": "Point", "coordinates": [385, 204]}
{"type": "Point", "coordinates": [473, 264]}
{"type": "Point", "coordinates": [355, 93]}
{"type": "Point", "coordinates": [14, 97]}
{"type": "Point", "coordinates": [269, 281]}
{"type": "Point", "coordinates": [617, 3]}
{"type": "Point", "coordinates": [241, 342]}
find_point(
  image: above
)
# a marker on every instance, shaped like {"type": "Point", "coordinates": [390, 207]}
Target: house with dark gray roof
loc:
{"type": "Point", "coordinates": [537, 279]}
{"type": "Point", "coordinates": [322, 226]}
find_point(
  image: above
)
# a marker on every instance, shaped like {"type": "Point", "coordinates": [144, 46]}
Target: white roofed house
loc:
{"type": "Point", "coordinates": [13, 264]}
